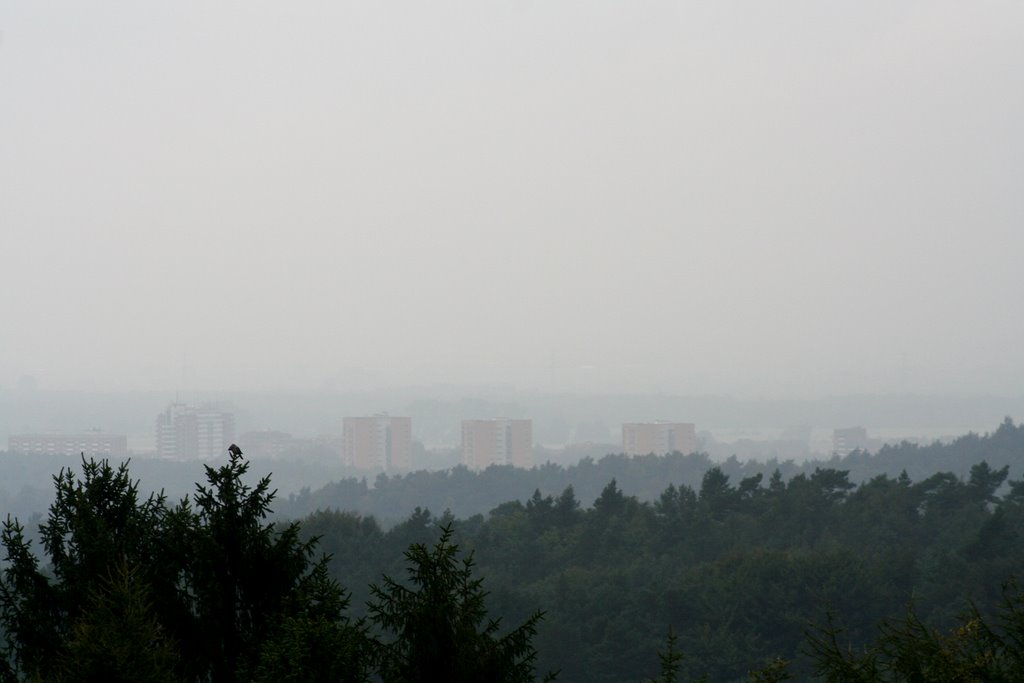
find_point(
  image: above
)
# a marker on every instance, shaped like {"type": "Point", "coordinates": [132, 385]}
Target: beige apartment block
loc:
{"type": "Point", "coordinates": [497, 441]}
{"type": "Point", "coordinates": [380, 443]}
{"type": "Point", "coordinates": [660, 438]}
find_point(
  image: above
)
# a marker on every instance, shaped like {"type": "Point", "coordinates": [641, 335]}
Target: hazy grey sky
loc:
{"type": "Point", "coordinates": [769, 199]}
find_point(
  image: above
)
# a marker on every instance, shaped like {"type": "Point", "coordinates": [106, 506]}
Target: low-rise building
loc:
{"type": "Point", "coordinates": [90, 444]}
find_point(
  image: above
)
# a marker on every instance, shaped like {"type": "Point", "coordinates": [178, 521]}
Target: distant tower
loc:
{"type": "Point", "coordinates": [173, 429]}
{"type": "Point", "coordinates": [187, 433]}
{"type": "Point", "coordinates": [659, 438]}
{"type": "Point", "coordinates": [845, 441]}
{"type": "Point", "coordinates": [215, 432]}
{"type": "Point", "coordinates": [381, 442]}
{"type": "Point", "coordinates": [498, 441]}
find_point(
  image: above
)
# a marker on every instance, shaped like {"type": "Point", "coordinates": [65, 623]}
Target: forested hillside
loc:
{"type": "Point", "coordinates": [467, 493]}
{"type": "Point", "coordinates": [739, 570]}
{"type": "Point", "coordinates": [754, 577]}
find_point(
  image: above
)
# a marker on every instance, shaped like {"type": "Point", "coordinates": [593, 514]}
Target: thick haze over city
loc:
{"type": "Point", "coordinates": [474, 340]}
{"type": "Point", "coordinates": [759, 200]}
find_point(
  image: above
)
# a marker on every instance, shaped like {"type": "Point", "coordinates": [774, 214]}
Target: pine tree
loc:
{"type": "Point", "coordinates": [440, 625]}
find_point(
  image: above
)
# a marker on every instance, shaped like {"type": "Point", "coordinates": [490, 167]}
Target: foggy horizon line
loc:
{"type": "Point", "coordinates": [186, 396]}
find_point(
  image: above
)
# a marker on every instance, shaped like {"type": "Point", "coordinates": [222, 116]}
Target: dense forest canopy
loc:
{"type": "Point", "coordinates": [738, 568]}
{"type": "Point", "coordinates": [740, 576]}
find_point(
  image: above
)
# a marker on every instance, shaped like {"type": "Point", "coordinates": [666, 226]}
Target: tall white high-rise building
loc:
{"type": "Point", "coordinates": [185, 432]}
{"type": "Point", "coordinates": [215, 431]}
{"type": "Point", "coordinates": [845, 441]}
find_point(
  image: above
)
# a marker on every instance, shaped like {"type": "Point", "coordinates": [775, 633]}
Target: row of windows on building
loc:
{"type": "Point", "coordinates": [89, 444]}
{"type": "Point", "coordinates": [185, 432]}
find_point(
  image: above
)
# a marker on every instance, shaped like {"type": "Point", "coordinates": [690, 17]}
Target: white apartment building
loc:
{"type": "Point", "coordinates": [185, 432]}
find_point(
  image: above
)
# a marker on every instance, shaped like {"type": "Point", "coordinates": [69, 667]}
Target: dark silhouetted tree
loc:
{"type": "Point", "coordinates": [440, 625]}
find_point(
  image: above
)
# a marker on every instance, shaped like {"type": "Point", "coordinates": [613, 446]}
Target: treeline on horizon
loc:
{"type": "Point", "coordinates": [739, 568]}
{"type": "Point", "coordinates": [742, 571]}
{"type": "Point", "coordinates": [25, 490]}
{"type": "Point", "coordinates": [465, 492]}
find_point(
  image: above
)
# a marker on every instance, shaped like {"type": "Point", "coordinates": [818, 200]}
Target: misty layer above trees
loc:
{"type": "Point", "coordinates": [465, 492]}
{"type": "Point", "coordinates": [25, 489]}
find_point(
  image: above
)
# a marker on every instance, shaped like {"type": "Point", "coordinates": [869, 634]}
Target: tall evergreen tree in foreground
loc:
{"type": "Point", "coordinates": [137, 590]}
{"type": "Point", "coordinates": [440, 624]}
{"type": "Point", "coordinates": [209, 590]}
